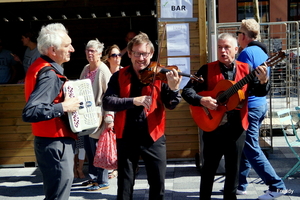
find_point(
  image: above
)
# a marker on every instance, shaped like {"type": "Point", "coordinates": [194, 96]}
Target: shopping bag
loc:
{"type": "Point", "coordinates": [106, 152]}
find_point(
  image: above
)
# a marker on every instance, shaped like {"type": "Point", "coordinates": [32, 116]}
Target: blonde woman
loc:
{"type": "Point", "coordinates": [112, 59]}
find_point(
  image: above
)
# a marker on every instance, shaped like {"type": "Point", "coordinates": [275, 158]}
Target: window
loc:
{"type": "Point", "coordinates": [294, 10]}
{"type": "Point", "coordinates": [245, 10]}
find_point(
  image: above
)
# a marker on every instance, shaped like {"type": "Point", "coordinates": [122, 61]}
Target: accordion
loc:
{"type": "Point", "coordinates": [85, 120]}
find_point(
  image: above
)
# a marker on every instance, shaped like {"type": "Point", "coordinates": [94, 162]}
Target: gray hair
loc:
{"type": "Point", "coordinates": [225, 36]}
{"type": "Point", "coordinates": [50, 36]}
{"type": "Point", "coordinates": [96, 44]}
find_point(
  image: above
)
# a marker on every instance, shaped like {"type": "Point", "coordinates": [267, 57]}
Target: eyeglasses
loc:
{"type": "Point", "coordinates": [90, 51]}
{"type": "Point", "coordinates": [238, 32]}
{"type": "Point", "coordinates": [115, 55]}
{"type": "Point", "coordinates": [138, 54]}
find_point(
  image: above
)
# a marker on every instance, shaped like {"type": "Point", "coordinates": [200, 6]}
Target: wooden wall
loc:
{"type": "Point", "coordinates": [181, 130]}
{"type": "Point", "coordinates": [16, 140]}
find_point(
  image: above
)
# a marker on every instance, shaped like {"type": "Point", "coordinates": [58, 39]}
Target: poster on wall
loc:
{"type": "Point", "coordinates": [178, 39]}
{"type": "Point", "coordinates": [184, 65]}
{"type": "Point", "coordinates": [176, 8]}
{"type": "Point", "coordinates": [178, 44]}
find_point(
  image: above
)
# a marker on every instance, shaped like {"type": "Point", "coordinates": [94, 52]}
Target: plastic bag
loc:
{"type": "Point", "coordinates": [106, 153]}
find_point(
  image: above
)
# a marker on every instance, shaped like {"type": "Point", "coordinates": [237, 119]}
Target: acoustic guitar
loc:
{"type": "Point", "coordinates": [228, 95]}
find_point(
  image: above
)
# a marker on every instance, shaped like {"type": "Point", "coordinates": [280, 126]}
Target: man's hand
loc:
{"type": "Point", "coordinates": [145, 101]}
{"type": "Point", "coordinates": [262, 74]}
{"type": "Point", "coordinates": [173, 79]}
{"type": "Point", "coordinates": [70, 104]}
{"type": "Point", "coordinates": [209, 103]}
{"type": "Point", "coordinates": [16, 58]}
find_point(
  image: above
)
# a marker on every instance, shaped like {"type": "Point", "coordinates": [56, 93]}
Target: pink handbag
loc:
{"type": "Point", "coordinates": [106, 153]}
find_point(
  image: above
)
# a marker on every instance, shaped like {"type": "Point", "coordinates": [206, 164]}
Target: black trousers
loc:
{"type": "Point", "coordinates": [154, 156]}
{"type": "Point", "coordinates": [227, 140]}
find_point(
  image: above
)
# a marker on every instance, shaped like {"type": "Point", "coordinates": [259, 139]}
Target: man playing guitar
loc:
{"type": "Point", "coordinates": [227, 139]}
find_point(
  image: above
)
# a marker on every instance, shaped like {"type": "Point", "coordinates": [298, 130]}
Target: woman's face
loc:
{"type": "Point", "coordinates": [114, 57]}
{"type": "Point", "coordinates": [92, 55]}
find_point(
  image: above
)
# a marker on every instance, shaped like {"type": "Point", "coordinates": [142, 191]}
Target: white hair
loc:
{"type": "Point", "coordinates": [225, 36]}
{"type": "Point", "coordinates": [95, 44]}
{"type": "Point", "coordinates": [50, 36]}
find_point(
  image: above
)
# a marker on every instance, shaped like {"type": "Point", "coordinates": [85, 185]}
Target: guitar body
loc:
{"type": "Point", "coordinates": [228, 95]}
{"type": "Point", "coordinates": [200, 115]}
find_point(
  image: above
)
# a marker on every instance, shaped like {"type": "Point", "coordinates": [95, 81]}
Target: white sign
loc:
{"type": "Point", "coordinates": [184, 65]}
{"type": "Point", "coordinates": [176, 8]}
{"type": "Point", "coordinates": [178, 40]}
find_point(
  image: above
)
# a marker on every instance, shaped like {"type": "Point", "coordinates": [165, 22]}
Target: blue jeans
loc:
{"type": "Point", "coordinates": [90, 148]}
{"type": "Point", "coordinates": [254, 156]}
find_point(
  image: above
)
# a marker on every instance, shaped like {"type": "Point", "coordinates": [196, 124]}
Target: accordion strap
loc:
{"type": "Point", "coordinates": [48, 68]}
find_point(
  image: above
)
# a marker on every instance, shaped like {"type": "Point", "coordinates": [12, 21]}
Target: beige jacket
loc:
{"type": "Point", "coordinates": [99, 87]}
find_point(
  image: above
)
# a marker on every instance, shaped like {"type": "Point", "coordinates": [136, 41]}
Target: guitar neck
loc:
{"type": "Point", "coordinates": [233, 89]}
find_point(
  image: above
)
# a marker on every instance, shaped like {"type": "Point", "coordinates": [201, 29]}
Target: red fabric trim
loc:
{"type": "Point", "coordinates": [56, 127]}
{"type": "Point", "coordinates": [156, 114]}
{"type": "Point", "coordinates": [214, 76]}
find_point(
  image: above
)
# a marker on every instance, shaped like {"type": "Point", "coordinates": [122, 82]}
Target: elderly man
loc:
{"type": "Point", "coordinates": [228, 136]}
{"type": "Point", "coordinates": [45, 109]}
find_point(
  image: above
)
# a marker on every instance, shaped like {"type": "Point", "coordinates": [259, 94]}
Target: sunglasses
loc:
{"type": "Point", "coordinates": [115, 55]}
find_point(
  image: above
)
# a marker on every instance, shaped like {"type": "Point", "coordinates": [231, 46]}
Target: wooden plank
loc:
{"type": "Point", "coordinates": [182, 146]}
{"type": "Point", "coordinates": [15, 129]}
{"type": "Point", "coordinates": [12, 106]}
{"type": "Point", "coordinates": [29, 144]}
{"type": "Point", "coordinates": [4, 114]}
{"type": "Point", "coordinates": [16, 152]}
{"type": "Point", "coordinates": [202, 28]}
{"type": "Point", "coordinates": [16, 137]}
{"type": "Point", "coordinates": [179, 115]}
{"type": "Point", "coordinates": [189, 153]}
{"type": "Point", "coordinates": [12, 89]}
{"type": "Point", "coordinates": [180, 138]}
{"type": "Point", "coordinates": [182, 130]}
{"type": "Point", "coordinates": [5, 98]}
{"type": "Point", "coordinates": [183, 105]}
{"type": "Point", "coordinates": [180, 122]}
{"type": "Point", "coordinates": [12, 122]}
{"type": "Point", "coordinates": [16, 160]}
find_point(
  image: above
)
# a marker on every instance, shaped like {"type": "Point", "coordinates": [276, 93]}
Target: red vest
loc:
{"type": "Point", "coordinates": [156, 114]}
{"type": "Point", "coordinates": [56, 127]}
{"type": "Point", "coordinates": [214, 76]}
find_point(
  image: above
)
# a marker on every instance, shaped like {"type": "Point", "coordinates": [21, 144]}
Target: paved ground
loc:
{"type": "Point", "coordinates": [182, 182]}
